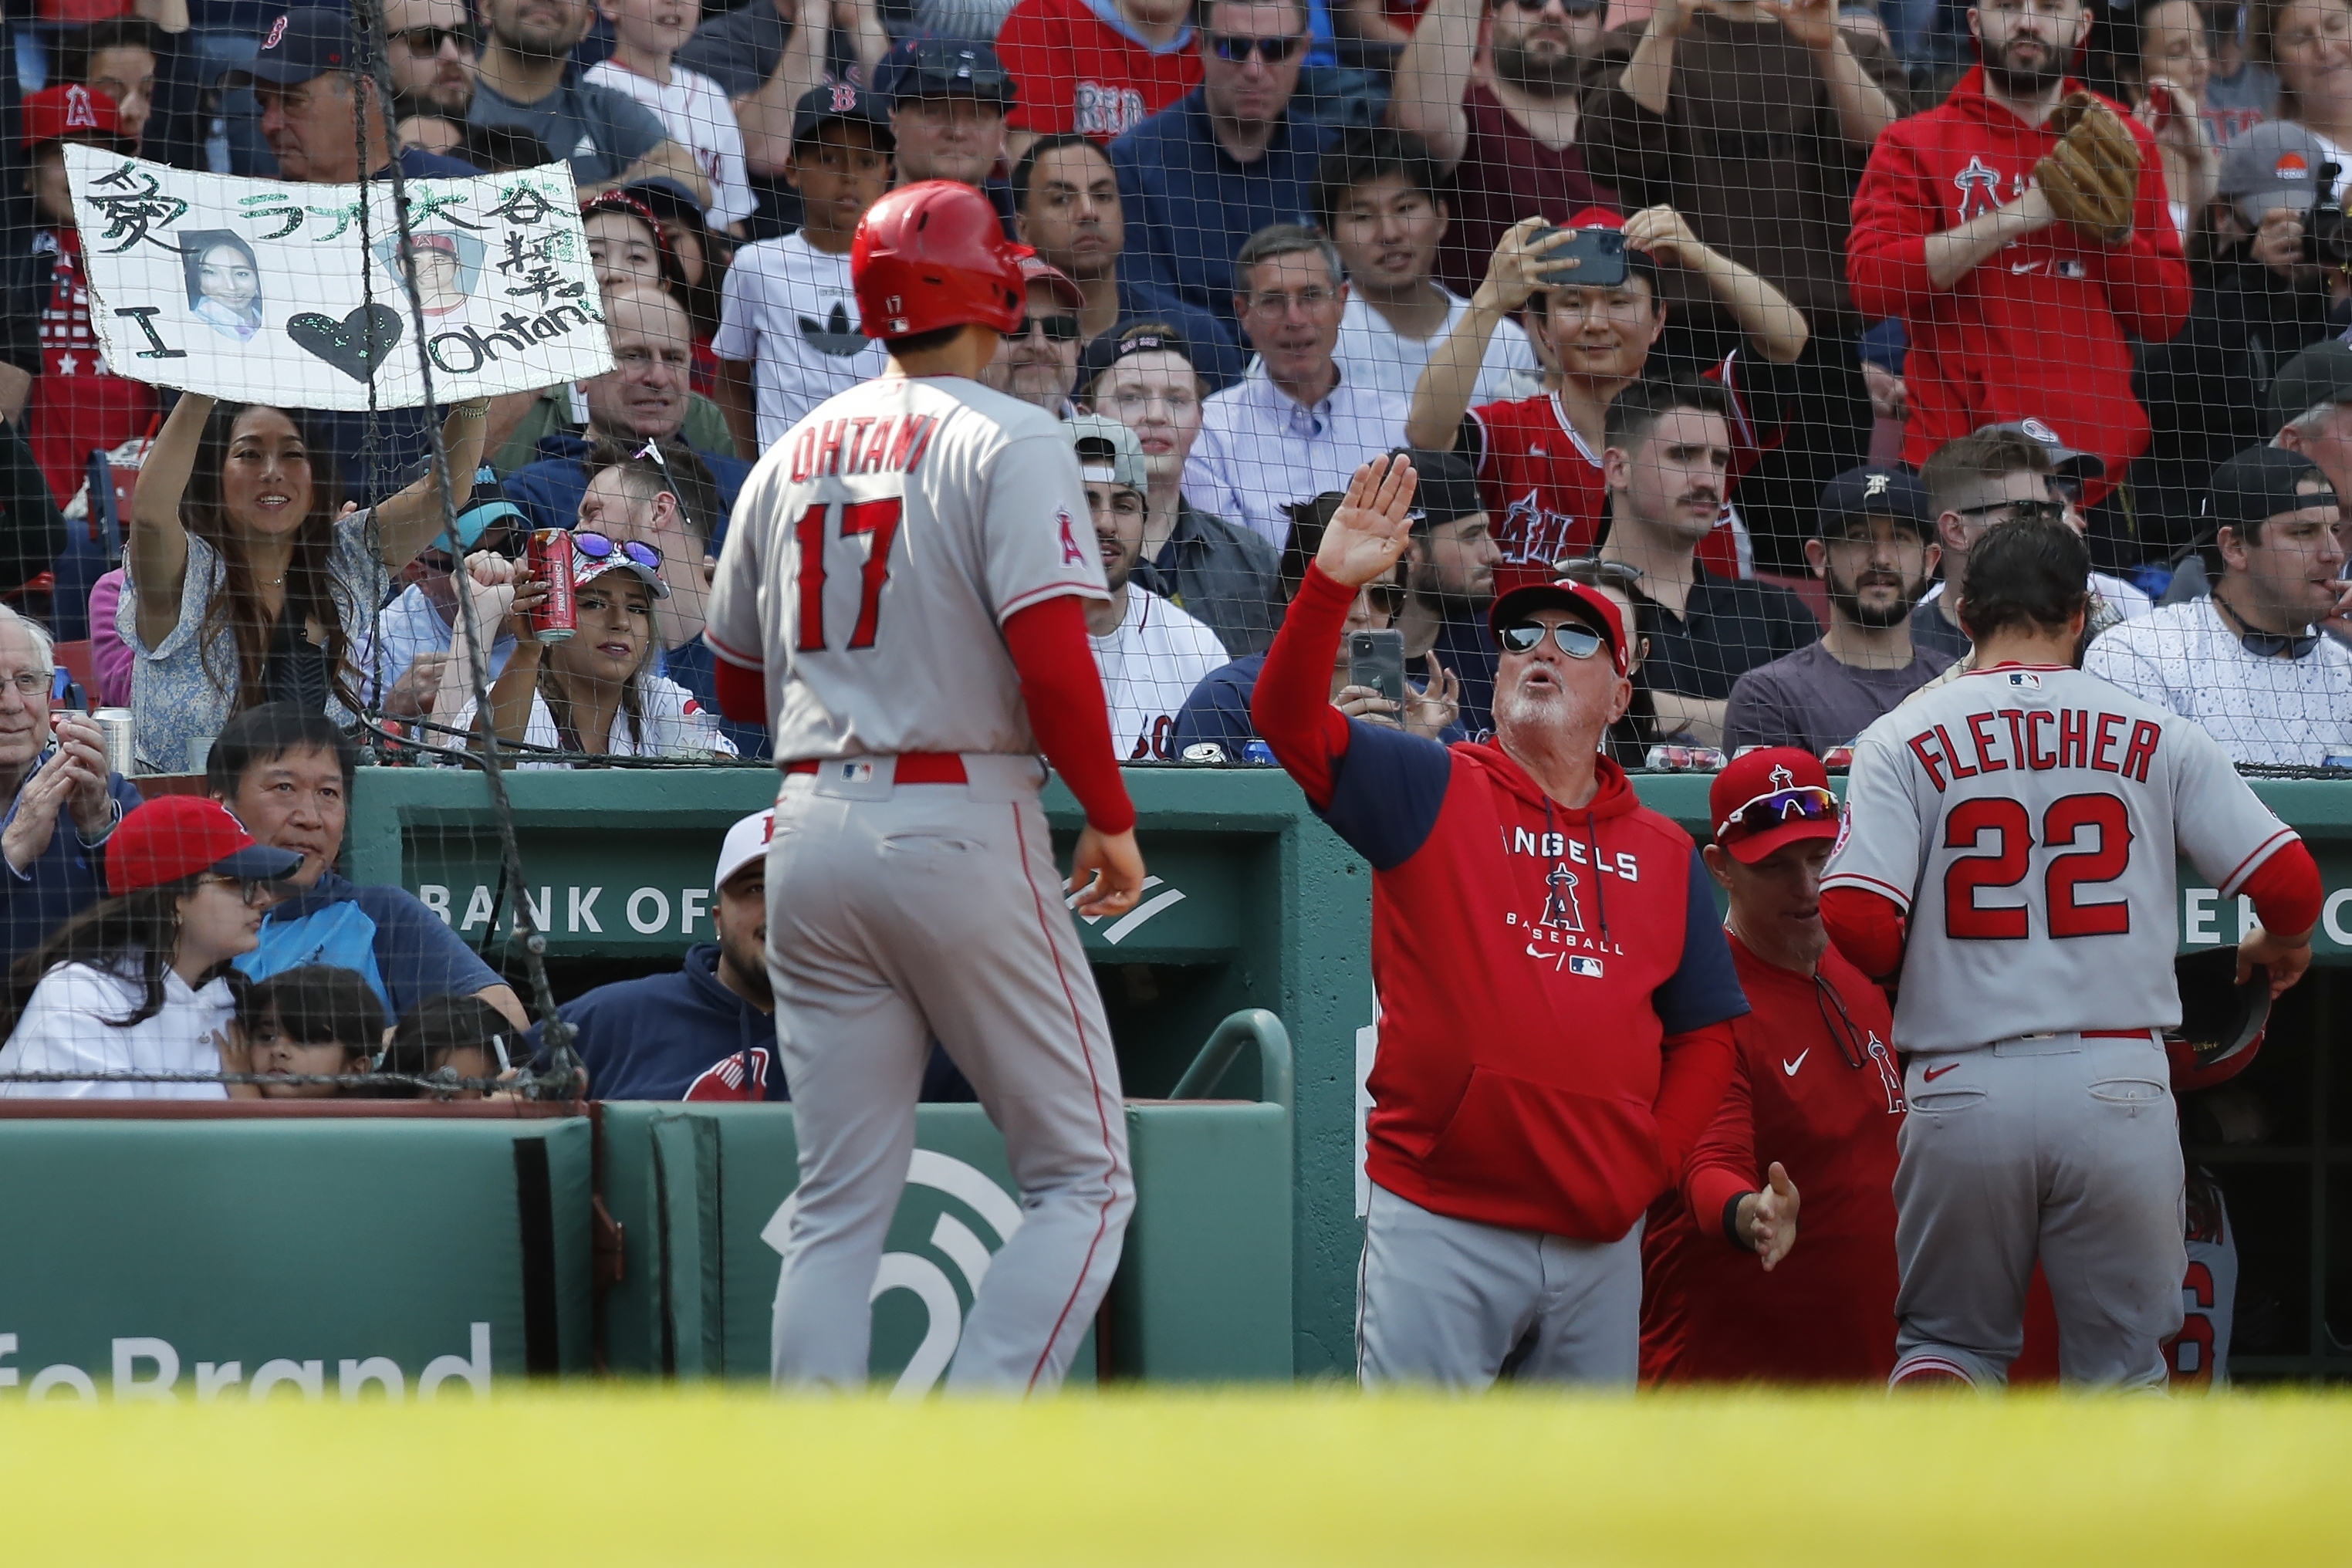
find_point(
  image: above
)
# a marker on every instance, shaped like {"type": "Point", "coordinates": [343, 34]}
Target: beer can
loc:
{"type": "Point", "coordinates": [1205, 752]}
{"type": "Point", "coordinates": [549, 558]}
{"type": "Point", "coordinates": [114, 724]}
{"type": "Point", "coordinates": [1672, 759]}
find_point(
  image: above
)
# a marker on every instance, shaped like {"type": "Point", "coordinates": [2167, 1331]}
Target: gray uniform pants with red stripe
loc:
{"type": "Point", "coordinates": [2062, 1146]}
{"type": "Point", "coordinates": [898, 914]}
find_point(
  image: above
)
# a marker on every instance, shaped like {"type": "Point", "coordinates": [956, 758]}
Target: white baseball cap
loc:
{"type": "Point", "coordinates": [746, 841]}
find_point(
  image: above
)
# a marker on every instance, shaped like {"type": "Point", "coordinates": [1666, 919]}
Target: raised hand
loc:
{"type": "Point", "coordinates": [1370, 529]}
{"type": "Point", "coordinates": [1661, 234]}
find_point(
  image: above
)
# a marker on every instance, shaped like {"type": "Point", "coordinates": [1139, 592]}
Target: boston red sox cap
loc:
{"type": "Point", "coordinates": [296, 46]}
{"type": "Point", "coordinates": [821, 106]}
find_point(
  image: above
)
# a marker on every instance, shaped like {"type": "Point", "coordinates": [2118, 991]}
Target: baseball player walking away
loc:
{"type": "Point", "coordinates": [1555, 992]}
{"type": "Point", "coordinates": [2008, 857]}
{"type": "Point", "coordinates": [901, 600]}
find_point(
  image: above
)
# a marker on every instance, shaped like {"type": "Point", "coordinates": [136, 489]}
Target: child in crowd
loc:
{"type": "Point", "coordinates": [315, 1021]}
{"type": "Point", "coordinates": [462, 1039]}
{"type": "Point", "coordinates": [133, 991]}
{"type": "Point", "coordinates": [788, 326]}
{"type": "Point", "coordinates": [78, 405]}
{"type": "Point", "coordinates": [647, 36]}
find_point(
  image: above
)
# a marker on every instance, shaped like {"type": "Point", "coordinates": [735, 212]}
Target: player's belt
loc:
{"type": "Point", "coordinates": [913, 768]}
{"type": "Point", "coordinates": [2118, 1033]}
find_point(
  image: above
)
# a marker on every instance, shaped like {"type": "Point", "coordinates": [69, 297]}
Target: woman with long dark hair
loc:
{"type": "Point", "coordinates": [138, 984]}
{"type": "Point", "coordinates": [245, 587]}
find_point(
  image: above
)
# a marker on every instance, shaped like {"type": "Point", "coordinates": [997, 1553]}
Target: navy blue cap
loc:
{"type": "Point", "coordinates": [1874, 491]}
{"type": "Point", "coordinates": [821, 106]}
{"type": "Point", "coordinates": [941, 68]}
{"type": "Point", "coordinates": [298, 44]}
{"type": "Point", "coordinates": [1447, 490]}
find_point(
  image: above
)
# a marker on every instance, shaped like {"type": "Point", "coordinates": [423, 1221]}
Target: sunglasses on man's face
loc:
{"type": "Point", "coordinates": [2019, 510]}
{"type": "Point", "coordinates": [1272, 51]}
{"type": "Point", "coordinates": [425, 42]}
{"type": "Point", "coordinates": [1573, 638]}
{"type": "Point", "coordinates": [1057, 329]}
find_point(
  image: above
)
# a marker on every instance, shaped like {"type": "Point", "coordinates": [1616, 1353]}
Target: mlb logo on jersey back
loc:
{"type": "Point", "coordinates": [2022, 679]}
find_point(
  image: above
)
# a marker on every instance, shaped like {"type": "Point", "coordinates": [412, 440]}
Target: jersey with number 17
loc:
{"type": "Point", "coordinates": [877, 550]}
{"type": "Point", "coordinates": [2029, 822]}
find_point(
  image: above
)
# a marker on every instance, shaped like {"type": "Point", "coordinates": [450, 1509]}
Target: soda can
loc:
{"type": "Point", "coordinates": [1684, 760]}
{"type": "Point", "coordinates": [1838, 759]}
{"type": "Point", "coordinates": [114, 724]}
{"type": "Point", "coordinates": [549, 558]}
{"type": "Point", "coordinates": [1205, 752]}
{"type": "Point", "coordinates": [1258, 752]}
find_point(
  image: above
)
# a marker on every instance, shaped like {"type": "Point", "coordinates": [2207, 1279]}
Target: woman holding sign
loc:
{"type": "Point", "coordinates": [245, 587]}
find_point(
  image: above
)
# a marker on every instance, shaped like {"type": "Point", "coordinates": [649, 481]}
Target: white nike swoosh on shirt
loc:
{"type": "Point", "coordinates": [1791, 1067]}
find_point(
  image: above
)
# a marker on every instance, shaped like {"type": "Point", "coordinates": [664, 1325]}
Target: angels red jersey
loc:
{"type": "Point", "coordinates": [1816, 1086]}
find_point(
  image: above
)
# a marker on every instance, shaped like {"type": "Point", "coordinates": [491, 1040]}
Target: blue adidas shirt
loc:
{"type": "Point", "coordinates": [406, 951]}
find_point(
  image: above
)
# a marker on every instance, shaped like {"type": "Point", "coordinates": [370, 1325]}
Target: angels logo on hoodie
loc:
{"type": "Point", "coordinates": [1980, 189]}
{"type": "Point", "coordinates": [743, 1076]}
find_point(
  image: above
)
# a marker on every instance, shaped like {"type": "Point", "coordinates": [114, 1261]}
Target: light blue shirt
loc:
{"type": "Point", "coordinates": [1260, 450]}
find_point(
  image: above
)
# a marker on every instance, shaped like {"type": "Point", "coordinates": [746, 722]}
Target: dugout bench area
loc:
{"type": "Point", "coordinates": [217, 1250]}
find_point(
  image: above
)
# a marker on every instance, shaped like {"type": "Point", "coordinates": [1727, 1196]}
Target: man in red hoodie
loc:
{"type": "Point", "coordinates": [2012, 314]}
{"type": "Point", "coordinates": [1555, 995]}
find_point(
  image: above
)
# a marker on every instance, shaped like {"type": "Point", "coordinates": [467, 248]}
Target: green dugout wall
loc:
{"type": "Point", "coordinates": [1256, 904]}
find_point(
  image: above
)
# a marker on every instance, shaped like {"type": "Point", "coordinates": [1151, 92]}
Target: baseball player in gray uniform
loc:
{"type": "Point", "coordinates": [901, 597]}
{"type": "Point", "coordinates": [2025, 821]}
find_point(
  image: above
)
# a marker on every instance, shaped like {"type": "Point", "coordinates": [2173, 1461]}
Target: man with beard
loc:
{"type": "Point", "coordinates": [1875, 550]}
{"type": "Point", "coordinates": [1556, 992]}
{"type": "Point", "coordinates": [1150, 653]}
{"type": "Point", "coordinates": [525, 78]}
{"type": "Point", "coordinates": [1038, 362]}
{"type": "Point", "coordinates": [1503, 119]}
{"type": "Point", "coordinates": [2010, 314]}
{"type": "Point", "coordinates": [1449, 577]}
{"type": "Point", "coordinates": [1808, 99]}
{"type": "Point", "coordinates": [1668, 461]}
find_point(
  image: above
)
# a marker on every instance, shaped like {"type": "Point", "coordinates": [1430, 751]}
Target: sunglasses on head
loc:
{"type": "Point", "coordinates": [1272, 51]}
{"type": "Point", "coordinates": [1058, 328]}
{"type": "Point", "coordinates": [1805, 803]}
{"type": "Point", "coordinates": [425, 42]}
{"type": "Point", "coordinates": [1573, 638]}
{"type": "Point", "coordinates": [592, 546]}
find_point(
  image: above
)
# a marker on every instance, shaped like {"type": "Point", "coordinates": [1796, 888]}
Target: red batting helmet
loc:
{"type": "Point", "coordinates": [2221, 1022]}
{"type": "Point", "coordinates": [933, 255]}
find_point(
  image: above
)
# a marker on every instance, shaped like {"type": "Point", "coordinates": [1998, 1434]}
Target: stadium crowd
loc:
{"type": "Point", "coordinates": [1749, 316]}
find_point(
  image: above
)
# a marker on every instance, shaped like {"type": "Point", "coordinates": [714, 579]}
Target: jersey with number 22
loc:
{"type": "Point", "coordinates": [877, 550]}
{"type": "Point", "coordinates": [2029, 823]}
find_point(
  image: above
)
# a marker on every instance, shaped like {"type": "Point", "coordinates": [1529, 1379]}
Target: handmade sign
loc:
{"type": "Point", "coordinates": [267, 290]}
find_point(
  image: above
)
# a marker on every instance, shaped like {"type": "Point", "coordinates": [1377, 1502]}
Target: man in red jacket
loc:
{"type": "Point", "coordinates": [2012, 314]}
{"type": "Point", "coordinates": [1815, 1090]}
{"type": "Point", "coordinates": [1555, 996]}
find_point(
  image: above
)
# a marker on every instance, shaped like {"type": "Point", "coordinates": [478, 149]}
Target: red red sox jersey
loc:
{"type": "Point", "coordinates": [1546, 498]}
{"type": "Point", "coordinates": [2037, 329]}
{"type": "Point", "coordinates": [1078, 72]}
{"type": "Point", "coordinates": [2029, 822]}
{"type": "Point", "coordinates": [1815, 1086]}
{"type": "Point", "coordinates": [875, 552]}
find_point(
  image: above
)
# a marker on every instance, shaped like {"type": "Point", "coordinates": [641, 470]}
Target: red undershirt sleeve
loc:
{"type": "Point", "coordinates": [742, 691]}
{"type": "Point", "coordinates": [1722, 1165]}
{"type": "Point", "coordinates": [1867, 928]}
{"type": "Point", "coordinates": [1063, 692]}
{"type": "Point", "coordinates": [2287, 891]}
{"type": "Point", "coordinates": [1292, 704]}
{"type": "Point", "coordinates": [1694, 1070]}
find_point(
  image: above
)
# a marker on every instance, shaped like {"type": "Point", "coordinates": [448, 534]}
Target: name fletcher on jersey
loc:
{"type": "Point", "coordinates": [2037, 740]}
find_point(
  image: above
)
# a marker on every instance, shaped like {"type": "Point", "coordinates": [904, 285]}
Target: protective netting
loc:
{"type": "Point", "coordinates": [1754, 318]}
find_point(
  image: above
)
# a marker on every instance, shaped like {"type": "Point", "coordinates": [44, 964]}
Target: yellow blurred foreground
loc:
{"type": "Point", "coordinates": [647, 1476]}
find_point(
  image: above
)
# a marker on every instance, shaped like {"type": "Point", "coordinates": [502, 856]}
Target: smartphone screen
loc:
{"type": "Point", "coordinates": [1376, 659]}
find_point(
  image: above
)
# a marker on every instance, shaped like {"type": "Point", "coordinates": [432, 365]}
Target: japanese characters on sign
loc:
{"type": "Point", "coordinates": [299, 295]}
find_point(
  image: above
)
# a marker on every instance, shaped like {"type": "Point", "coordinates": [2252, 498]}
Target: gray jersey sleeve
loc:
{"type": "Point", "coordinates": [1037, 540]}
{"type": "Point", "coordinates": [732, 618]}
{"type": "Point", "coordinates": [2221, 825]}
{"type": "Point", "coordinates": [1880, 844]}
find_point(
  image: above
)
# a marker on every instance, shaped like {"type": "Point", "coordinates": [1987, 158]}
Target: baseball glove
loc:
{"type": "Point", "coordinates": [2092, 177]}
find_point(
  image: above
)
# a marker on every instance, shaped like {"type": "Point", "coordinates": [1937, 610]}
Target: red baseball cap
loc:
{"type": "Point", "coordinates": [1770, 797]}
{"type": "Point", "coordinates": [1596, 218]}
{"type": "Point", "coordinates": [1035, 271]}
{"type": "Point", "coordinates": [1547, 593]}
{"type": "Point", "coordinates": [178, 835]}
{"type": "Point", "coordinates": [59, 113]}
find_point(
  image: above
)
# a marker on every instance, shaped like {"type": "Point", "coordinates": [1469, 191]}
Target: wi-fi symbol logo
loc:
{"type": "Point", "coordinates": [940, 1176]}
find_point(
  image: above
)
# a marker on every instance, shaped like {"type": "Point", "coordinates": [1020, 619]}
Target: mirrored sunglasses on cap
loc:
{"type": "Point", "coordinates": [1574, 639]}
{"type": "Point", "coordinates": [1805, 803]}
{"type": "Point", "coordinates": [600, 548]}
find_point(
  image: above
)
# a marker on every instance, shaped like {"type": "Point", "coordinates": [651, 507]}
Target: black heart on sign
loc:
{"type": "Point", "coordinates": [354, 345]}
